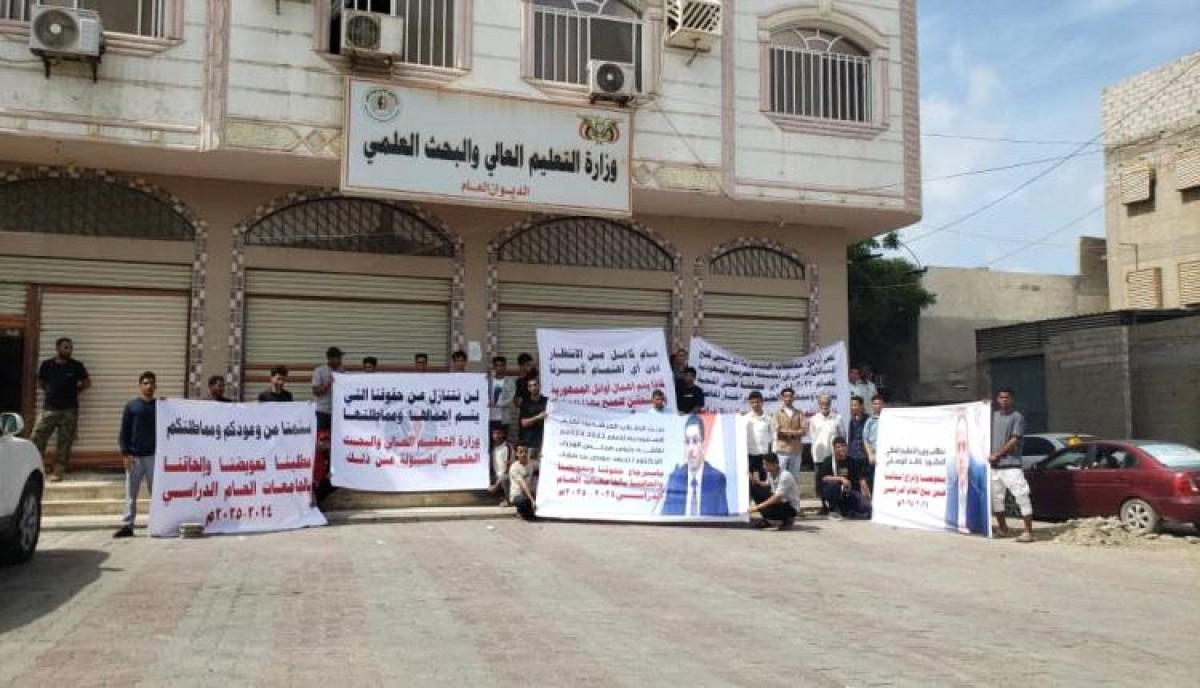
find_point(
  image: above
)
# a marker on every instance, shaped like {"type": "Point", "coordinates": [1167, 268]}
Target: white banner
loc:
{"type": "Point", "coordinates": [931, 470]}
{"type": "Point", "coordinates": [236, 468]}
{"type": "Point", "coordinates": [410, 432]}
{"type": "Point", "coordinates": [439, 145]}
{"type": "Point", "coordinates": [615, 466]}
{"type": "Point", "coordinates": [617, 369]}
{"type": "Point", "coordinates": [727, 379]}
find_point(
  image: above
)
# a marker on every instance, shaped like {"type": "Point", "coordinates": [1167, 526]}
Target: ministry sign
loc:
{"type": "Point", "coordinates": [484, 150]}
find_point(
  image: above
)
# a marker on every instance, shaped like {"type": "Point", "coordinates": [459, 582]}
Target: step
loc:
{"type": "Point", "coordinates": [90, 507]}
{"type": "Point", "coordinates": [413, 515]}
{"type": "Point", "coordinates": [70, 490]}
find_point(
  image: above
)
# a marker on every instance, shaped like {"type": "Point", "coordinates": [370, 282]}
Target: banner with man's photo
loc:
{"type": "Point", "coordinates": [615, 369]}
{"type": "Point", "coordinates": [608, 465]}
{"type": "Point", "coordinates": [235, 468]}
{"type": "Point", "coordinates": [410, 432]}
{"type": "Point", "coordinates": [931, 470]}
{"type": "Point", "coordinates": [728, 379]}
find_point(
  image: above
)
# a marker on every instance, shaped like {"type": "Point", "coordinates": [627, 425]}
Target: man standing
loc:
{"type": "Point", "coordinates": [526, 370]}
{"type": "Point", "coordinates": [823, 427]}
{"type": "Point", "coordinates": [61, 379]}
{"type": "Point", "coordinates": [1007, 429]}
{"type": "Point", "coordinates": [857, 450]}
{"type": "Point", "coordinates": [503, 391]}
{"type": "Point", "coordinates": [370, 364]}
{"type": "Point", "coordinates": [776, 498]}
{"type": "Point", "coordinates": [322, 387]}
{"type": "Point", "coordinates": [688, 395]}
{"type": "Point", "coordinates": [861, 387]}
{"type": "Point", "coordinates": [533, 419]}
{"type": "Point", "coordinates": [216, 389]}
{"type": "Point", "coordinates": [790, 427]}
{"type": "Point", "coordinates": [871, 439]}
{"type": "Point", "coordinates": [276, 391]}
{"type": "Point", "coordinates": [760, 430]}
{"type": "Point", "coordinates": [421, 363]}
{"type": "Point", "coordinates": [458, 361]}
{"type": "Point", "coordinates": [137, 440]}
{"type": "Point", "coordinates": [695, 487]}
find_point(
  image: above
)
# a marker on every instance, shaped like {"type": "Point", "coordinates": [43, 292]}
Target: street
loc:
{"type": "Point", "coordinates": [504, 602]}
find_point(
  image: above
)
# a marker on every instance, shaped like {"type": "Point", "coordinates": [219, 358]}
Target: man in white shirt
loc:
{"type": "Point", "coordinates": [322, 386]}
{"type": "Point", "coordinates": [823, 427]}
{"type": "Point", "coordinates": [861, 387]}
{"type": "Point", "coordinates": [503, 392]}
{"type": "Point", "coordinates": [520, 491]}
{"type": "Point", "coordinates": [776, 498]}
{"type": "Point", "coordinates": [760, 431]}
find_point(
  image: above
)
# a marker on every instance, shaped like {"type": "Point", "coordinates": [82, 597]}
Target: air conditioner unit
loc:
{"type": "Point", "coordinates": [371, 33]}
{"type": "Point", "coordinates": [65, 32]}
{"type": "Point", "coordinates": [616, 81]}
{"type": "Point", "coordinates": [693, 24]}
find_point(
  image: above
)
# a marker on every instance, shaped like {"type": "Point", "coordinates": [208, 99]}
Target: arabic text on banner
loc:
{"type": "Point", "coordinates": [727, 379]}
{"type": "Point", "coordinates": [616, 369]}
{"type": "Point", "coordinates": [618, 466]}
{"type": "Point", "coordinates": [236, 468]}
{"type": "Point", "coordinates": [931, 471]}
{"type": "Point", "coordinates": [410, 432]}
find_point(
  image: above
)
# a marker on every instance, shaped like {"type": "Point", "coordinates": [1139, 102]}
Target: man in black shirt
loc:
{"type": "Point", "coordinates": [688, 396]}
{"type": "Point", "coordinates": [533, 419]}
{"type": "Point", "coordinates": [61, 379]}
{"type": "Point", "coordinates": [276, 392]}
{"type": "Point", "coordinates": [216, 389]}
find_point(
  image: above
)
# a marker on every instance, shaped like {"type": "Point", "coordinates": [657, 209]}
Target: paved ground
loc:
{"type": "Point", "coordinates": [508, 603]}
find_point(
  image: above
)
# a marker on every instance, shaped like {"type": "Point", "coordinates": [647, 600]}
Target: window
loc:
{"type": "Point", "coordinates": [430, 28]}
{"type": "Point", "coordinates": [136, 17]}
{"type": "Point", "coordinates": [819, 74]}
{"type": "Point", "coordinates": [566, 34]}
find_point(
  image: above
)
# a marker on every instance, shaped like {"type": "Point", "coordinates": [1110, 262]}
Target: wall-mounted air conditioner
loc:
{"type": "Point", "coordinates": [369, 34]}
{"type": "Point", "coordinates": [65, 32]}
{"type": "Point", "coordinates": [615, 81]}
{"type": "Point", "coordinates": [693, 24]}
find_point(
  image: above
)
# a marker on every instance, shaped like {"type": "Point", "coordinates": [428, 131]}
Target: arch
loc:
{"type": "Point", "coordinates": [657, 254]}
{"type": "Point", "coordinates": [833, 19]}
{"type": "Point", "coordinates": [410, 231]}
{"type": "Point", "coordinates": [145, 203]}
{"type": "Point", "coordinates": [774, 259]}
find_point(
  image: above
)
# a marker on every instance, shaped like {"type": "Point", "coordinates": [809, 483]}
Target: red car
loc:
{"type": "Point", "coordinates": [1142, 481]}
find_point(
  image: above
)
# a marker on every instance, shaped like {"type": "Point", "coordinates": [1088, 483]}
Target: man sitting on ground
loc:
{"type": "Point", "coordinates": [844, 492]}
{"type": "Point", "coordinates": [520, 488]}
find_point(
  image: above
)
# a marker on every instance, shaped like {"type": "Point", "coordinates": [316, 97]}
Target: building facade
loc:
{"type": "Point", "coordinates": [1152, 187]}
{"type": "Point", "coordinates": [185, 211]}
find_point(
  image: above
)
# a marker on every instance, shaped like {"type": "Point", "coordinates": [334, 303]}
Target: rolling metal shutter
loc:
{"type": "Point", "coordinates": [761, 328]}
{"type": "Point", "coordinates": [1189, 283]}
{"type": "Point", "coordinates": [524, 307]}
{"type": "Point", "coordinates": [1144, 288]}
{"type": "Point", "coordinates": [22, 269]}
{"type": "Point", "coordinates": [12, 298]}
{"type": "Point", "coordinates": [1135, 184]}
{"type": "Point", "coordinates": [1187, 169]}
{"type": "Point", "coordinates": [117, 336]}
{"type": "Point", "coordinates": [292, 317]}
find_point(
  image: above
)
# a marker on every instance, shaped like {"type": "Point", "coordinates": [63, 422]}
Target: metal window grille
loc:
{"type": "Point", "coordinates": [429, 27]}
{"type": "Point", "coordinates": [88, 207]}
{"type": "Point", "coordinates": [586, 242]}
{"type": "Point", "coordinates": [351, 225]}
{"type": "Point", "coordinates": [757, 262]}
{"type": "Point", "coordinates": [137, 17]}
{"type": "Point", "coordinates": [565, 39]}
{"type": "Point", "coordinates": [826, 85]}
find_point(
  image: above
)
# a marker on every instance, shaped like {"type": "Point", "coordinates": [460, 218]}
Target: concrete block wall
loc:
{"type": "Point", "coordinates": [1165, 363]}
{"type": "Point", "coordinates": [1088, 382]}
{"type": "Point", "coordinates": [1147, 103]}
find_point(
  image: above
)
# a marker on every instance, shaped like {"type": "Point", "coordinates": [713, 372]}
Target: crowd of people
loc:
{"type": "Point", "coordinates": [842, 452]}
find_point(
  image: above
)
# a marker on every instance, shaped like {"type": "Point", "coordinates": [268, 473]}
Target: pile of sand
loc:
{"type": "Point", "coordinates": [1109, 532]}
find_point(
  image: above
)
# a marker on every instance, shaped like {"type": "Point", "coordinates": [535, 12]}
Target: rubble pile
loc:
{"type": "Point", "coordinates": [1101, 532]}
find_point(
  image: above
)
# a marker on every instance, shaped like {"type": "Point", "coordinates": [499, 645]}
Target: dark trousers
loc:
{"type": "Point", "coordinates": [820, 470]}
{"type": "Point", "coordinates": [775, 512]}
{"type": "Point", "coordinates": [756, 465]}
{"type": "Point", "coordinates": [324, 420]}
{"type": "Point", "coordinates": [524, 506]}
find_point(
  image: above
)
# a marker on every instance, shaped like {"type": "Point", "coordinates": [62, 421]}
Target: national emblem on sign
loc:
{"type": "Point", "coordinates": [599, 129]}
{"type": "Point", "coordinates": [382, 104]}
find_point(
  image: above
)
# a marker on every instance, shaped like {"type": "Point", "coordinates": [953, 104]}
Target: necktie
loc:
{"type": "Point", "coordinates": [694, 504]}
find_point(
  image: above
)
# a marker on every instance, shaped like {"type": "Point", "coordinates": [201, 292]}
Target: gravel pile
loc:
{"type": "Point", "coordinates": [1109, 532]}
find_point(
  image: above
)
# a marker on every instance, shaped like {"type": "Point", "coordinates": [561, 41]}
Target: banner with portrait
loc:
{"type": "Point", "coordinates": [658, 467]}
{"type": "Point", "coordinates": [410, 432]}
{"type": "Point", "coordinates": [615, 369]}
{"type": "Point", "coordinates": [931, 470]}
{"type": "Point", "coordinates": [727, 379]}
{"type": "Point", "coordinates": [236, 468]}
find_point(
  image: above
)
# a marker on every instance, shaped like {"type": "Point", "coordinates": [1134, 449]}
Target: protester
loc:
{"type": "Point", "coordinates": [61, 379]}
{"type": "Point", "coordinates": [370, 364]}
{"type": "Point", "coordinates": [503, 392]}
{"type": "Point", "coordinates": [421, 363]}
{"type": "Point", "coordinates": [658, 401]}
{"type": "Point", "coordinates": [791, 426]}
{"type": "Point", "coordinates": [526, 370]}
{"type": "Point", "coordinates": [760, 430]}
{"type": "Point", "coordinates": [322, 386]}
{"type": "Point", "coordinates": [216, 389]}
{"type": "Point", "coordinates": [502, 455]}
{"type": "Point", "coordinates": [520, 490]}
{"type": "Point", "coordinates": [533, 419]}
{"type": "Point", "coordinates": [823, 427]}
{"type": "Point", "coordinates": [458, 361]}
{"type": "Point", "coordinates": [276, 391]}
{"type": "Point", "coordinates": [678, 365]}
{"type": "Point", "coordinates": [1008, 426]}
{"type": "Point", "coordinates": [776, 498]}
{"type": "Point", "coordinates": [871, 439]}
{"type": "Point", "coordinates": [137, 443]}
{"type": "Point", "coordinates": [688, 396]}
{"type": "Point", "coordinates": [861, 387]}
{"type": "Point", "coordinates": [856, 450]}
{"type": "Point", "coordinates": [843, 491]}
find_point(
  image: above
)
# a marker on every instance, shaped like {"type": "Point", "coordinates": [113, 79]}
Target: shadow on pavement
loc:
{"type": "Point", "coordinates": [30, 591]}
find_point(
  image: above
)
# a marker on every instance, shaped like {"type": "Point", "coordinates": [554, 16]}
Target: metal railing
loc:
{"type": "Point", "coordinates": [429, 28]}
{"type": "Point", "coordinates": [564, 41]}
{"type": "Point", "coordinates": [819, 84]}
{"type": "Point", "coordinates": [136, 17]}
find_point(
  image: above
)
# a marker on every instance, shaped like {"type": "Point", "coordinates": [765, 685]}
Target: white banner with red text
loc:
{"type": "Point", "coordinates": [727, 379]}
{"type": "Point", "coordinates": [931, 470]}
{"type": "Point", "coordinates": [615, 369]}
{"type": "Point", "coordinates": [410, 432]}
{"type": "Point", "coordinates": [659, 467]}
{"type": "Point", "coordinates": [236, 468]}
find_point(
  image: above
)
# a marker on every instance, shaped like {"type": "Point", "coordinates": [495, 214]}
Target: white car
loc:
{"type": "Point", "coordinates": [21, 483]}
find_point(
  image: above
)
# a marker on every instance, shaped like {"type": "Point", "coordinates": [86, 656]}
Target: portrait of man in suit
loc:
{"type": "Point", "coordinates": [695, 488]}
{"type": "Point", "coordinates": [966, 486]}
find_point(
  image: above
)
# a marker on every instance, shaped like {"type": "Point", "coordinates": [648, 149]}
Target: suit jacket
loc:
{"type": "Point", "coordinates": [977, 500]}
{"type": "Point", "coordinates": [712, 492]}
